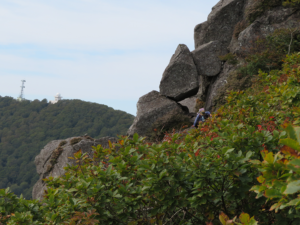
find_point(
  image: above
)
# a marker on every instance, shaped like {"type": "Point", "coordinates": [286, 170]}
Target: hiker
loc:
{"type": "Point", "coordinates": [199, 118]}
{"type": "Point", "coordinates": [206, 115]}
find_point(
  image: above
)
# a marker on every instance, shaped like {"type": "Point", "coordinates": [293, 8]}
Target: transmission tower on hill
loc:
{"type": "Point", "coordinates": [21, 96]}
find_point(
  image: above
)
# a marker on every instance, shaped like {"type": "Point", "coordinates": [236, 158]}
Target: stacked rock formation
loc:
{"type": "Point", "coordinates": [200, 76]}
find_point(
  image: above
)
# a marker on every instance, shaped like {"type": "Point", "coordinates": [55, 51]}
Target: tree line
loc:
{"type": "Point", "coordinates": [27, 126]}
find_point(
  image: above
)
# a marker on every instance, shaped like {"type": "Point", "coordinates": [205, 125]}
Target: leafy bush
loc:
{"type": "Point", "coordinates": [280, 179]}
{"type": "Point", "coordinates": [268, 53]}
{"type": "Point", "coordinates": [191, 176]}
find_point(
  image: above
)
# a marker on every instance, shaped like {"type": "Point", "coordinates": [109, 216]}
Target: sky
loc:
{"type": "Point", "coordinates": [110, 52]}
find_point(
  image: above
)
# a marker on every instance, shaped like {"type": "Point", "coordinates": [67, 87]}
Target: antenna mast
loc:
{"type": "Point", "coordinates": [21, 97]}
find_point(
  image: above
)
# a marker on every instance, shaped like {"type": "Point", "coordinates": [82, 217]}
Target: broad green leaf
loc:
{"type": "Point", "coordinates": [295, 162]}
{"type": "Point", "coordinates": [229, 150]}
{"type": "Point", "coordinates": [240, 126]}
{"type": "Point", "coordinates": [294, 202]}
{"type": "Point", "coordinates": [271, 193]}
{"type": "Point", "coordinates": [252, 221]}
{"type": "Point", "coordinates": [249, 154]}
{"type": "Point", "coordinates": [292, 187]}
{"type": "Point", "coordinates": [72, 190]}
{"type": "Point", "coordinates": [223, 218]}
{"type": "Point", "coordinates": [290, 143]}
{"type": "Point", "coordinates": [261, 179]}
{"type": "Point", "coordinates": [244, 218]}
{"type": "Point", "coordinates": [291, 132]}
{"type": "Point", "coordinates": [269, 157]}
{"type": "Point", "coordinates": [135, 137]}
{"type": "Point", "coordinates": [297, 122]}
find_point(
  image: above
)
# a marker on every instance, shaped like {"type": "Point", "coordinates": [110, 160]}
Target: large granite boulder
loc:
{"type": "Point", "coordinates": [54, 157]}
{"type": "Point", "coordinates": [206, 58]}
{"type": "Point", "coordinates": [180, 78]}
{"type": "Point", "coordinates": [270, 21]}
{"type": "Point", "coordinates": [220, 23]}
{"type": "Point", "coordinates": [151, 108]}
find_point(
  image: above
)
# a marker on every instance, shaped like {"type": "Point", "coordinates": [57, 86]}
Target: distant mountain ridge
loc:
{"type": "Point", "coordinates": [27, 126]}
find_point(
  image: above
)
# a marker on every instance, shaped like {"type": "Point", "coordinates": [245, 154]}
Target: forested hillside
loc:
{"type": "Point", "coordinates": [25, 127]}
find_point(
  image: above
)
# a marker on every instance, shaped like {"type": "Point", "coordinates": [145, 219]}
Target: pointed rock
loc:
{"type": "Point", "coordinates": [220, 23]}
{"type": "Point", "coordinates": [180, 78]}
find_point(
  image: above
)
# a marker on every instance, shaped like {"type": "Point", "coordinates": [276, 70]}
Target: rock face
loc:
{"type": "Point", "coordinates": [150, 108]}
{"type": "Point", "coordinates": [207, 60]}
{"type": "Point", "coordinates": [53, 158]}
{"type": "Point", "coordinates": [220, 23]}
{"type": "Point", "coordinates": [216, 88]}
{"type": "Point", "coordinates": [263, 26]}
{"type": "Point", "coordinates": [180, 78]}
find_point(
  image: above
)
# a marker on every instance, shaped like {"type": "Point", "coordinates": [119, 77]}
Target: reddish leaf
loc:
{"type": "Point", "coordinates": [289, 151]}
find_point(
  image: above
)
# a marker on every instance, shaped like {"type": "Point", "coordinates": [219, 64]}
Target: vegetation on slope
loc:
{"type": "Point", "coordinates": [189, 177]}
{"type": "Point", "coordinates": [27, 126]}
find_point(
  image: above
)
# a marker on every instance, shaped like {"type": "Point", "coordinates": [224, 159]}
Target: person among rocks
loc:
{"type": "Point", "coordinates": [199, 118]}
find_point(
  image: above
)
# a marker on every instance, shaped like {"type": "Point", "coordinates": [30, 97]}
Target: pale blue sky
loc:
{"type": "Point", "coordinates": [106, 51]}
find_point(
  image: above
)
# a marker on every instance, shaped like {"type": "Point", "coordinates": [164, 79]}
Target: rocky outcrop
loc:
{"type": "Point", "coordinates": [220, 23]}
{"type": "Point", "coordinates": [180, 78]}
{"type": "Point", "coordinates": [150, 108]}
{"type": "Point", "coordinates": [54, 157]}
{"type": "Point", "coordinates": [201, 74]}
{"type": "Point", "coordinates": [270, 21]}
{"type": "Point", "coordinates": [206, 58]}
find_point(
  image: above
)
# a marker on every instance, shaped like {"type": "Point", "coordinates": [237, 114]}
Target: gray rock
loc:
{"type": "Point", "coordinates": [51, 163]}
{"type": "Point", "coordinates": [180, 78]}
{"type": "Point", "coordinates": [227, 81]}
{"type": "Point", "coordinates": [263, 26]}
{"type": "Point", "coordinates": [220, 23]}
{"type": "Point", "coordinates": [216, 86]}
{"type": "Point", "coordinates": [204, 83]}
{"type": "Point", "coordinates": [190, 103]}
{"type": "Point", "coordinates": [150, 108]}
{"type": "Point", "coordinates": [206, 58]}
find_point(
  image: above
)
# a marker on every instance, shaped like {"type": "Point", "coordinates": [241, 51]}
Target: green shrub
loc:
{"type": "Point", "coordinates": [292, 3]}
{"type": "Point", "coordinates": [230, 58]}
{"type": "Point", "coordinates": [188, 178]}
{"type": "Point", "coordinates": [267, 54]}
{"type": "Point", "coordinates": [75, 140]}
